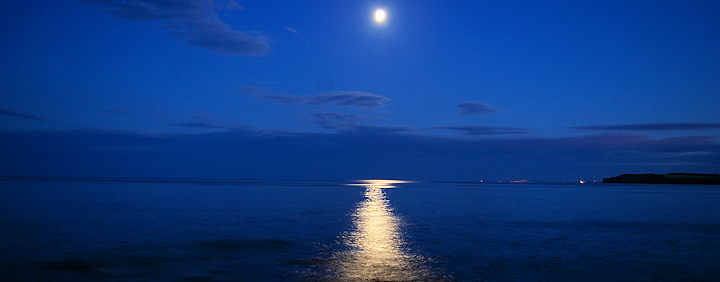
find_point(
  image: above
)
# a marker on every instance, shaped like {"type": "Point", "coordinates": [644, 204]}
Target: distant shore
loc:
{"type": "Point", "coordinates": [670, 178]}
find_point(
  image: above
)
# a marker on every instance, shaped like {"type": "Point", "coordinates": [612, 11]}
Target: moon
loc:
{"type": "Point", "coordinates": [379, 15]}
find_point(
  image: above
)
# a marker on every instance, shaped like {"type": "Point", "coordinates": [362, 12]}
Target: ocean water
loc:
{"type": "Point", "coordinates": [356, 231]}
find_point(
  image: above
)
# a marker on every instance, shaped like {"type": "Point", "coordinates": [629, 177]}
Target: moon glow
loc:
{"type": "Point", "coordinates": [379, 15]}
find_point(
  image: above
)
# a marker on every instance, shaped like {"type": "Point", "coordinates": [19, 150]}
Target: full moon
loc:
{"type": "Point", "coordinates": [379, 15]}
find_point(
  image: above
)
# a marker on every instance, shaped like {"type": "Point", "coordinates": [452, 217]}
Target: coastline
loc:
{"type": "Point", "coordinates": [670, 178]}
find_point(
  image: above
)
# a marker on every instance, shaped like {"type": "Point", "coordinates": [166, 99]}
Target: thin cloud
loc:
{"type": "Point", "coordinates": [356, 99]}
{"type": "Point", "coordinates": [377, 131]}
{"type": "Point", "coordinates": [350, 123]}
{"type": "Point", "coordinates": [230, 5]}
{"type": "Point", "coordinates": [291, 30]}
{"type": "Point", "coordinates": [486, 130]}
{"type": "Point", "coordinates": [357, 153]}
{"type": "Point", "coordinates": [474, 109]}
{"type": "Point", "coordinates": [336, 120]}
{"type": "Point", "coordinates": [20, 115]}
{"type": "Point", "coordinates": [150, 10]}
{"type": "Point", "coordinates": [661, 126]}
{"type": "Point", "coordinates": [348, 98]}
{"type": "Point", "coordinates": [196, 125]}
{"type": "Point", "coordinates": [220, 37]}
{"type": "Point", "coordinates": [203, 123]}
{"type": "Point", "coordinates": [685, 144]}
{"type": "Point", "coordinates": [194, 20]}
{"type": "Point", "coordinates": [282, 99]}
{"type": "Point", "coordinates": [279, 98]}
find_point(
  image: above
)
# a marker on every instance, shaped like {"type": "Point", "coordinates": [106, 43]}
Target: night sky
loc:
{"type": "Point", "coordinates": [439, 90]}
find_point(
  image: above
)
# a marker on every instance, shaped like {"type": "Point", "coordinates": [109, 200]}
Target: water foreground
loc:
{"type": "Point", "coordinates": [327, 231]}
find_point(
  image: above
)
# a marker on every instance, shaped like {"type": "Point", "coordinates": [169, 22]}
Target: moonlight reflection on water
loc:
{"type": "Point", "coordinates": [376, 249]}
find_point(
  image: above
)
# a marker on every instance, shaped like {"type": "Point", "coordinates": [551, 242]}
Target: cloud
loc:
{"type": "Point", "coordinates": [196, 125]}
{"type": "Point", "coordinates": [283, 99]}
{"type": "Point", "coordinates": [328, 120]}
{"type": "Point", "coordinates": [336, 120]}
{"type": "Point", "coordinates": [685, 144]}
{"type": "Point", "coordinates": [291, 30]}
{"type": "Point", "coordinates": [378, 131]}
{"type": "Point", "coordinates": [220, 37]}
{"type": "Point", "coordinates": [346, 123]}
{"type": "Point", "coordinates": [193, 20]}
{"type": "Point", "coordinates": [486, 130]}
{"type": "Point", "coordinates": [348, 98]}
{"type": "Point", "coordinates": [661, 126]}
{"type": "Point", "coordinates": [474, 109]}
{"type": "Point", "coordinates": [20, 115]}
{"type": "Point", "coordinates": [356, 99]}
{"type": "Point", "coordinates": [148, 10]}
{"type": "Point", "coordinates": [203, 123]}
{"type": "Point", "coordinates": [362, 152]}
{"type": "Point", "coordinates": [230, 5]}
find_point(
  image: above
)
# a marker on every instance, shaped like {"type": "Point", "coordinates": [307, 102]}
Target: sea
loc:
{"type": "Point", "coordinates": [357, 230]}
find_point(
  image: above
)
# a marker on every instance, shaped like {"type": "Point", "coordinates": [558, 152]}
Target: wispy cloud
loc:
{"type": "Point", "coordinates": [283, 99]}
{"type": "Point", "coordinates": [228, 4]}
{"type": "Point", "coordinates": [290, 29]}
{"type": "Point", "coordinates": [193, 20]}
{"type": "Point", "coordinates": [661, 126]}
{"type": "Point", "coordinates": [354, 124]}
{"type": "Point", "coordinates": [196, 125]}
{"type": "Point", "coordinates": [348, 98]}
{"type": "Point", "coordinates": [357, 153]}
{"type": "Point", "coordinates": [486, 130]}
{"type": "Point", "coordinates": [474, 109]}
{"type": "Point", "coordinates": [20, 115]}
{"type": "Point", "coordinates": [336, 120]}
{"type": "Point", "coordinates": [203, 123]}
{"type": "Point", "coordinates": [356, 99]}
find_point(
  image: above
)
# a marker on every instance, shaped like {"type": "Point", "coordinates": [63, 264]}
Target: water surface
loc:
{"type": "Point", "coordinates": [332, 231]}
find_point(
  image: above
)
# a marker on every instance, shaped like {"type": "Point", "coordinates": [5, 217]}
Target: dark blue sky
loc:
{"type": "Point", "coordinates": [502, 90]}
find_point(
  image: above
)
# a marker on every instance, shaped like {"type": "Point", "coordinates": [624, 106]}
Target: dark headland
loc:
{"type": "Point", "coordinates": [670, 178]}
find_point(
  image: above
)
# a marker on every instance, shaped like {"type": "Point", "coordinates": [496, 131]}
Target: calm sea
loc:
{"type": "Point", "coordinates": [357, 231]}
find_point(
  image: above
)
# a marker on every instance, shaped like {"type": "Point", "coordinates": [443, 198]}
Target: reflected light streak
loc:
{"type": "Point", "coordinates": [379, 183]}
{"type": "Point", "coordinates": [376, 248]}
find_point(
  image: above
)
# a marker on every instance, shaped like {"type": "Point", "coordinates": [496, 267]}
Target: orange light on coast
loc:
{"type": "Point", "coordinates": [379, 15]}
